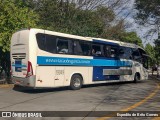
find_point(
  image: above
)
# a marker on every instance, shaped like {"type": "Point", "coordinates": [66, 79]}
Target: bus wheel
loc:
{"type": "Point", "coordinates": [136, 78]}
{"type": "Point", "coordinates": [76, 82]}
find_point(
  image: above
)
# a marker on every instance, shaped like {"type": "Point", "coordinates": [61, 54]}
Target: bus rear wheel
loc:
{"type": "Point", "coordinates": [76, 82]}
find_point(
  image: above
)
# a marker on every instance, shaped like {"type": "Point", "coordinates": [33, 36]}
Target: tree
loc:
{"type": "Point", "coordinates": [148, 14]}
{"type": "Point", "coordinates": [151, 52]}
{"type": "Point", "coordinates": [114, 32]}
{"type": "Point", "coordinates": [131, 37]}
{"type": "Point", "coordinates": [157, 50]}
{"type": "Point", "coordinates": [14, 15]}
{"type": "Point", "coordinates": [80, 17]}
{"type": "Point", "coordinates": [118, 33]}
{"type": "Point", "coordinates": [148, 11]}
{"type": "Point", "coordinates": [69, 18]}
{"type": "Point", "coordinates": [157, 53]}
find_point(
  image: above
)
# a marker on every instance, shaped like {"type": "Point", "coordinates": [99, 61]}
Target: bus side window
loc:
{"type": "Point", "coordinates": [50, 43]}
{"type": "Point", "coordinates": [136, 55]}
{"type": "Point", "coordinates": [113, 52]}
{"type": "Point", "coordinates": [70, 46]}
{"type": "Point", "coordinates": [128, 53]}
{"type": "Point", "coordinates": [110, 51]}
{"type": "Point", "coordinates": [96, 50]}
{"type": "Point", "coordinates": [62, 46]}
{"type": "Point", "coordinates": [107, 51]}
{"type": "Point", "coordinates": [77, 48]}
{"type": "Point", "coordinates": [41, 41]}
{"type": "Point", "coordinates": [125, 53]}
{"type": "Point", "coordinates": [86, 48]}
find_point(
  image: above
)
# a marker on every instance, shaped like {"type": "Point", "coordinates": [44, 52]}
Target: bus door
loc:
{"type": "Point", "coordinates": [144, 62]}
{"type": "Point", "coordinates": [59, 76]}
{"type": "Point", "coordinates": [145, 65]}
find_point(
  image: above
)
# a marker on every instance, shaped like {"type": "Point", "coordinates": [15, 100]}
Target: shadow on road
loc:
{"type": "Point", "coordinates": [38, 90]}
{"type": "Point", "coordinates": [112, 83]}
{"type": "Point", "coordinates": [45, 90]}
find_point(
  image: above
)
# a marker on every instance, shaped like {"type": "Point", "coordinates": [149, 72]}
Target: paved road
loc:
{"type": "Point", "coordinates": [141, 96]}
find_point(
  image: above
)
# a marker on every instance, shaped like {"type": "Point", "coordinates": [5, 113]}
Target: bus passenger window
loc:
{"type": "Point", "coordinates": [125, 53]}
{"type": "Point", "coordinates": [85, 47]}
{"type": "Point", "coordinates": [107, 51]}
{"type": "Point", "coordinates": [93, 52]}
{"type": "Point", "coordinates": [96, 50]}
{"type": "Point", "coordinates": [62, 46]}
{"type": "Point", "coordinates": [113, 52]}
{"type": "Point", "coordinates": [136, 55]}
{"type": "Point", "coordinates": [110, 51]}
{"type": "Point", "coordinates": [77, 48]}
{"type": "Point", "coordinates": [50, 43]}
{"type": "Point", "coordinates": [41, 40]}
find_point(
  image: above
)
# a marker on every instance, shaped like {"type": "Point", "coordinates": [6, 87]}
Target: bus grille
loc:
{"type": "Point", "coordinates": [19, 55]}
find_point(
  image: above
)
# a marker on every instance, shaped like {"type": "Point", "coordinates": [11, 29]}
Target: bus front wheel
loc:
{"type": "Point", "coordinates": [76, 82]}
{"type": "Point", "coordinates": [136, 78]}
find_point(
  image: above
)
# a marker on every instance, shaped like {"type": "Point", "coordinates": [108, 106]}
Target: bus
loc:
{"type": "Point", "coordinates": [45, 59]}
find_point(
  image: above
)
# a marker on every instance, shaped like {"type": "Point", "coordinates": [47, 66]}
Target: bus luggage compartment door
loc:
{"type": "Point", "coordinates": [45, 76]}
{"type": "Point", "coordinates": [59, 76]}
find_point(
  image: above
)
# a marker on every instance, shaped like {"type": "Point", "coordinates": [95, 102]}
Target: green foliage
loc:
{"type": "Point", "coordinates": [14, 15]}
{"type": "Point", "coordinates": [57, 15]}
{"type": "Point", "coordinates": [157, 50]}
{"type": "Point", "coordinates": [131, 37]}
{"type": "Point", "coordinates": [65, 17]}
{"type": "Point", "coordinates": [148, 11]}
{"type": "Point", "coordinates": [151, 52]}
{"type": "Point", "coordinates": [149, 14]}
{"type": "Point", "coordinates": [114, 32]}
{"type": "Point", "coordinates": [118, 33]}
{"type": "Point", "coordinates": [60, 16]}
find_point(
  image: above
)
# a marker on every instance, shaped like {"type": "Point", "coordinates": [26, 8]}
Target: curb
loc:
{"type": "Point", "coordinates": [6, 85]}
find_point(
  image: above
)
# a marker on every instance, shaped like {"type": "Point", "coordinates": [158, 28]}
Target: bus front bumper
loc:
{"type": "Point", "coordinates": [26, 82]}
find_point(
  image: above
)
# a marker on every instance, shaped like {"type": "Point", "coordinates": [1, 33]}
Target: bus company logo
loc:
{"type": "Point", "coordinates": [6, 114]}
{"type": "Point", "coordinates": [67, 61]}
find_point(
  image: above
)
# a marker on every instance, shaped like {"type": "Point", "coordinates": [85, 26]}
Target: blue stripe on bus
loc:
{"type": "Point", "coordinates": [44, 60]}
{"type": "Point", "coordinates": [98, 74]}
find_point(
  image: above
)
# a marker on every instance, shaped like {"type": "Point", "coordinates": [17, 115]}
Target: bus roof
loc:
{"type": "Point", "coordinates": [85, 38]}
{"type": "Point", "coordinates": [63, 34]}
{"type": "Point", "coordinates": [120, 43]}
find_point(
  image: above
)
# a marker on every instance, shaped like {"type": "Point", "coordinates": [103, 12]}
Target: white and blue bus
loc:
{"type": "Point", "coordinates": [42, 59]}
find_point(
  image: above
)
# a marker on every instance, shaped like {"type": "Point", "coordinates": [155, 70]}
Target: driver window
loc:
{"type": "Point", "coordinates": [136, 55]}
{"type": "Point", "coordinates": [125, 53]}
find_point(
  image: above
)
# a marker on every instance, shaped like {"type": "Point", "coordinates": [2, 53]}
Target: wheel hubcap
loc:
{"type": "Point", "coordinates": [77, 82]}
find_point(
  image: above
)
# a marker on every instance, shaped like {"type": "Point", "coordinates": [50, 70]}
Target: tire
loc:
{"type": "Point", "coordinates": [76, 82]}
{"type": "Point", "coordinates": [136, 78]}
